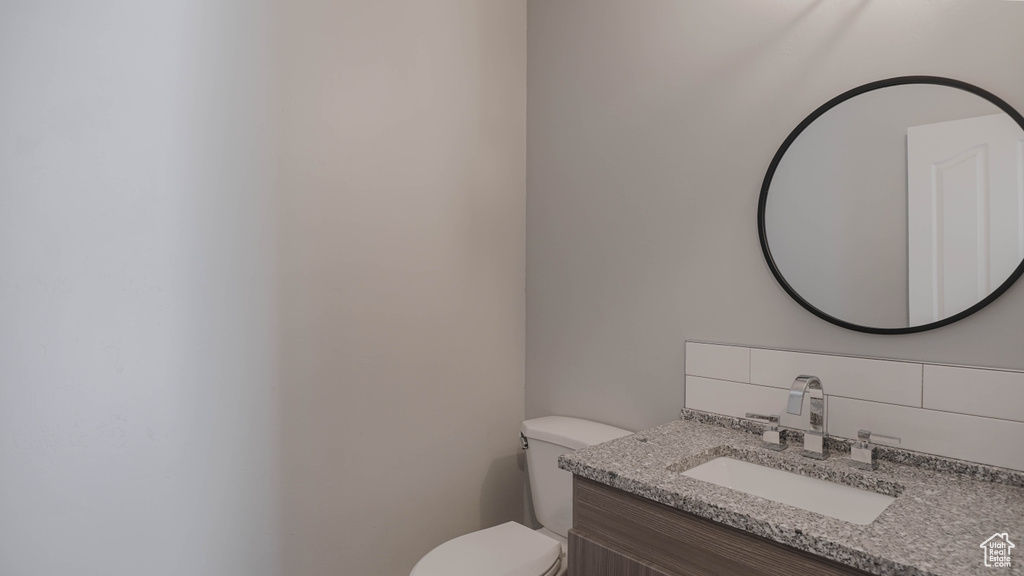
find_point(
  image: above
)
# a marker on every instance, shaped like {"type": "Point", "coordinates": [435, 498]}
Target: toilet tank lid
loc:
{"type": "Point", "coordinates": [573, 433]}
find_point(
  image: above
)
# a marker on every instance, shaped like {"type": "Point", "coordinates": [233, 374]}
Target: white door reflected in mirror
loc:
{"type": "Point", "coordinates": [965, 203]}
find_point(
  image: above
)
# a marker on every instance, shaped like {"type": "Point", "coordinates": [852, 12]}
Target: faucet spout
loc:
{"type": "Point", "coordinates": [801, 385]}
{"type": "Point", "coordinates": [814, 436]}
{"type": "Point", "coordinates": [796, 397]}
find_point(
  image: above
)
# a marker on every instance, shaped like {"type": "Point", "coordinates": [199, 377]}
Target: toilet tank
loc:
{"type": "Point", "coordinates": [548, 438]}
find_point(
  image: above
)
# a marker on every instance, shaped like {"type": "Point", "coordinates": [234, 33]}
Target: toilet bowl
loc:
{"type": "Point", "coordinates": [512, 549]}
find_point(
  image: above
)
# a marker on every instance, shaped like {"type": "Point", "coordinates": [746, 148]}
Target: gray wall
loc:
{"type": "Point", "coordinates": [261, 283]}
{"type": "Point", "coordinates": [403, 263]}
{"type": "Point", "coordinates": [138, 350]}
{"type": "Point", "coordinates": [650, 126]}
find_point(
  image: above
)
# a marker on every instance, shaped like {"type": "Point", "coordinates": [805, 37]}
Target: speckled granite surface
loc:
{"type": "Point", "coordinates": [944, 509]}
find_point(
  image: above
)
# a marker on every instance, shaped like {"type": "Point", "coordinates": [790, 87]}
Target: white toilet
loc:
{"type": "Point", "coordinates": [512, 549]}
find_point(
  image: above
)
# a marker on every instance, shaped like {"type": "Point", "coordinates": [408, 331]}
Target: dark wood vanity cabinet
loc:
{"type": "Point", "coordinates": [618, 534]}
{"type": "Point", "coordinates": [587, 556]}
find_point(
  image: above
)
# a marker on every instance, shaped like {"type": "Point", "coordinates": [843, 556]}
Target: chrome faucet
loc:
{"type": "Point", "coordinates": [814, 436]}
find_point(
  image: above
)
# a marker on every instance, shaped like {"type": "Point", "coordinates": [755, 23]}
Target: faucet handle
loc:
{"type": "Point", "coordinates": [770, 418]}
{"type": "Point", "coordinates": [867, 436]}
{"type": "Point", "coordinates": [862, 454]}
{"type": "Point", "coordinates": [771, 438]}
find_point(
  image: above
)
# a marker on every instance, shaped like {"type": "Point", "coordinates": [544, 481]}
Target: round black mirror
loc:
{"type": "Point", "coordinates": [898, 206]}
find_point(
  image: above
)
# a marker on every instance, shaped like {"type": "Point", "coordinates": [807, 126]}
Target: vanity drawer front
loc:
{"type": "Point", "coordinates": [681, 543]}
{"type": "Point", "coordinates": [588, 557]}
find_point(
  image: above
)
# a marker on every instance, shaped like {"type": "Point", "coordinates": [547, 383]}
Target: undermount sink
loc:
{"type": "Point", "coordinates": [837, 501]}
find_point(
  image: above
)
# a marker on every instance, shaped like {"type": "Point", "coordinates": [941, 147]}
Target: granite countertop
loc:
{"type": "Point", "coordinates": [944, 508]}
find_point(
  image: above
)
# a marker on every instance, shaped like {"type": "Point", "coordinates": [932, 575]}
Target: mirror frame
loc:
{"type": "Point", "coordinates": [763, 201]}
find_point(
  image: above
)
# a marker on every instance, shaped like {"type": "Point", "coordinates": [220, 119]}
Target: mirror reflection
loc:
{"type": "Point", "coordinates": [899, 207]}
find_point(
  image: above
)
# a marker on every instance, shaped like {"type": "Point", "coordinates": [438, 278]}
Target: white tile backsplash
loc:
{"type": "Point", "coordinates": [731, 398]}
{"type": "Point", "coordinates": [996, 442]}
{"type": "Point", "coordinates": [862, 378]}
{"type": "Point", "coordinates": [974, 414]}
{"type": "Point", "coordinates": [718, 361]}
{"type": "Point", "coordinates": [992, 393]}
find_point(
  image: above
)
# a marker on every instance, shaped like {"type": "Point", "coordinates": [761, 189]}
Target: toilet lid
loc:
{"type": "Point", "coordinates": [509, 549]}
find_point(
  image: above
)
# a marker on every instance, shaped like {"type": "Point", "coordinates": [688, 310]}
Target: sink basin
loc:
{"type": "Point", "coordinates": [837, 501]}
